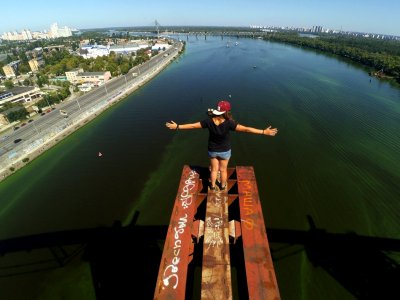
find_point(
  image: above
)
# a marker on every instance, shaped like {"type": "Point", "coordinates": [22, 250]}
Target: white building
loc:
{"type": "Point", "coordinates": [93, 51]}
{"type": "Point", "coordinates": [128, 48]}
{"type": "Point", "coordinates": [20, 94]}
{"type": "Point", "coordinates": [56, 31]}
{"type": "Point", "coordinates": [160, 46]}
{"type": "Point", "coordinates": [26, 34]}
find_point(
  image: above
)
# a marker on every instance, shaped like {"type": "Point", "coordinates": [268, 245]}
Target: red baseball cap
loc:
{"type": "Point", "coordinates": [222, 107]}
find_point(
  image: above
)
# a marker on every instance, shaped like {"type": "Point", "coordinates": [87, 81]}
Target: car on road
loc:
{"type": "Point", "coordinates": [16, 128]}
{"type": "Point", "coordinates": [43, 113]}
{"type": "Point", "coordinates": [30, 121]}
{"type": "Point", "coordinates": [23, 124]}
{"type": "Point", "coordinates": [3, 138]}
{"type": "Point", "coordinates": [49, 110]}
{"type": "Point", "coordinates": [17, 141]}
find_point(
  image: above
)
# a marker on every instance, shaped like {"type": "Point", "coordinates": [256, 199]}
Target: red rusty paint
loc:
{"type": "Point", "coordinates": [260, 273]}
{"type": "Point", "coordinates": [200, 198]}
{"type": "Point", "coordinates": [216, 278]}
{"type": "Point", "coordinates": [172, 275]}
{"type": "Point", "coordinates": [232, 198]}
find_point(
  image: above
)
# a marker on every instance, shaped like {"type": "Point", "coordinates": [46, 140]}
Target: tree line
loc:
{"type": "Point", "coordinates": [63, 61]}
{"type": "Point", "coordinates": [383, 56]}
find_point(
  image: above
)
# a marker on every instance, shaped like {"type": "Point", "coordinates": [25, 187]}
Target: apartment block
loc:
{"type": "Point", "coordinates": [10, 70]}
{"type": "Point", "coordinates": [35, 64]}
{"type": "Point", "coordinates": [72, 75]}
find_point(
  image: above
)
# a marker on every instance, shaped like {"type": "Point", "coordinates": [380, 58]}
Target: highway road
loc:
{"type": "Point", "coordinates": [74, 108]}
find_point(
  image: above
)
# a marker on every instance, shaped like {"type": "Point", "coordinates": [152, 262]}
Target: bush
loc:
{"type": "Point", "coordinates": [12, 169]}
{"type": "Point", "coordinates": [25, 160]}
{"type": "Point", "coordinates": [17, 115]}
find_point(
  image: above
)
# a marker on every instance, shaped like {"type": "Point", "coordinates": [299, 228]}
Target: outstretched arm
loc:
{"type": "Point", "coordinates": [266, 131]}
{"type": "Point", "coordinates": [174, 126]}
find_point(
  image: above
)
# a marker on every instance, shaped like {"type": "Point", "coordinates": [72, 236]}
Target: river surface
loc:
{"type": "Point", "coordinates": [336, 156]}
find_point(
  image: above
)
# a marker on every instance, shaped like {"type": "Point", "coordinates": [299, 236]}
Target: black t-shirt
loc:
{"type": "Point", "coordinates": [218, 140]}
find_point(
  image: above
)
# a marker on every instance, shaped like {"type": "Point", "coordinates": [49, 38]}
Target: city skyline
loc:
{"type": "Point", "coordinates": [358, 16]}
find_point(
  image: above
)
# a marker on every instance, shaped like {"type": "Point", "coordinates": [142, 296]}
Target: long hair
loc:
{"type": "Point", "coordinates": [228, 115]}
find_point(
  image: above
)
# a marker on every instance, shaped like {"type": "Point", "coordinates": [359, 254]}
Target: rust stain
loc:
{"type": "Point", "coordinates": [172, 275]}
{"type": "Point", "coordinates": [261, 279]}
{"type": "Point", "coordinates": [215, 229]}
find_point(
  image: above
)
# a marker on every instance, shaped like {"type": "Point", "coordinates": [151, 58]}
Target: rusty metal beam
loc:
{"type": "Point", "coordinates": [178, 247]}
{"type": "Point", "coordinates": [260, 273]}
{"type": "Point", "coordinates": [200, 198]}
{"type": "Point", "coordinates": [216, 280]}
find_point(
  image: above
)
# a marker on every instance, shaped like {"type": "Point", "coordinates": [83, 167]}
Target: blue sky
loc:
{"type": "Point", "coordinates": [375, 16]}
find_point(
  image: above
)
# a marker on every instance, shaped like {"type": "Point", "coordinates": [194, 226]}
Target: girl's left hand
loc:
{"type": "Point", "coordinates": [171, 125]}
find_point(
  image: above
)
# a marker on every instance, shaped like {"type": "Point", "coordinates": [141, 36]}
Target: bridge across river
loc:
{"type": "Point", "coordinates": [212, 223]}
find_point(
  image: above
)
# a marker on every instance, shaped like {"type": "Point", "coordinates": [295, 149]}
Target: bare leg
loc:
{"type": "Point", "coordinates": [214, 163]}
{"type": "Point", "coordinates": [223, 167]}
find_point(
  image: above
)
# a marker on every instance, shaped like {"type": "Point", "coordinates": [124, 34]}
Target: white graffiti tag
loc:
{"type": "Point", "coordinates": [214, 222]}
{"type": "Point", "coordinates": [186, 196]}
{"type": "Point", "coordinates": [218, 199]}
{"type": "Point", "coordinates": [171, 271]}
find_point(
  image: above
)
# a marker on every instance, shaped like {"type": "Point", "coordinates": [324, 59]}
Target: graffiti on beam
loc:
{"type": "Point", "coordinates": [248, 205]}
{"type": "Point", "coordinates": [170, 274]}
{"type": "Point", "coordinates": [186, 196]}
{"type": "Point", "coordinates": [214, 223]}
{"type": "Point", "coordinates": [219, 199]}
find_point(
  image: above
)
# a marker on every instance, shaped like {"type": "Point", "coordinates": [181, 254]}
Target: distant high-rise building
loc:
{"type": "Point", "coordinates": [53, 30]}
{"type": "Point", "coordinates": [26, 34]}
{"type": "Point", "coordinates": [56, 32]}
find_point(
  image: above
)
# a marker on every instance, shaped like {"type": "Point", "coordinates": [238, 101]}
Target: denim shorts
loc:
{"type": "Point", "coordinates": [220, 155]}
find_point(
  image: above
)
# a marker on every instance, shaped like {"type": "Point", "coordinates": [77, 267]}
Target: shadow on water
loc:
{"type": "Point", "coordinates": [125, 260]}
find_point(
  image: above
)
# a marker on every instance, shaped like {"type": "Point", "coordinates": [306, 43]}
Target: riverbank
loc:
{"type": "Point", "coordinates": [34, 153]}
{"type": "Point", "coordinates": [381, 57]}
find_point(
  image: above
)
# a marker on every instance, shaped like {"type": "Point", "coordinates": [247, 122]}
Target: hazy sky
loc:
{"type": "Point", "coordinates": [375, 16]}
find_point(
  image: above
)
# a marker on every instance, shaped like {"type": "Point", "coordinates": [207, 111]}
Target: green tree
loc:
{"type": "Point", "coordinates": [1, 68]}
{"type": "Point", "coordinates": [24, 68]}
{"type": "Point", "coordinates": [17, 115]}
{"type": "Point", "coordinates": [8, 84]}
{"type": "Point", "coordinates": [124, 67]}
{"type": "Point", "coordinates": [39, 81]}
{"type": "Point", "coordinates": [27, 82]}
